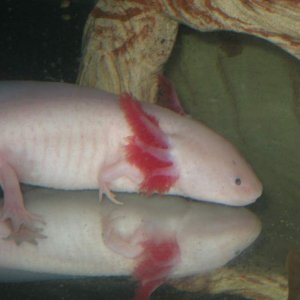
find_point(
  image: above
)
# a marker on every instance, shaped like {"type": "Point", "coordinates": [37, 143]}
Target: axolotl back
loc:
{"type": "Point", "coordinates": [64, 136]}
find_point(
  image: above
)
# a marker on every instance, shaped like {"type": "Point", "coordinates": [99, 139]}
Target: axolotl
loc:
{"type": "Point", "coordinates": [64, 136]}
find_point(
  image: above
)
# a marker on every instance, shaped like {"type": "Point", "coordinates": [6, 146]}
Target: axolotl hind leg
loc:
{"type": "Point", "coordinates": [22, 222]}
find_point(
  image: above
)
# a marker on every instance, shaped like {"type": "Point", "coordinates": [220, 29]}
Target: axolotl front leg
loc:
{"type": "Point", "coordinates": [22, 222]}
{"type": "Point", "coordinates": [113, 171]}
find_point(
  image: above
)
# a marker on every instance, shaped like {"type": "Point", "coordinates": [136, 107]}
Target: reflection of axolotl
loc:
{"type": "Point", "coordinates": [64, 136]}
{"type": "Point", "coordinates": [150, 240]}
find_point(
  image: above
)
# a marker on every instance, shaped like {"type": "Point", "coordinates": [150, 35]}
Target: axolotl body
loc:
{"type": "Point", "coordinates": [63, 136]}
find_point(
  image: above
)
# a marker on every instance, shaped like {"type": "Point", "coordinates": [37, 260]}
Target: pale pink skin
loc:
{"type": "Point", "coordinates": [68, 137]}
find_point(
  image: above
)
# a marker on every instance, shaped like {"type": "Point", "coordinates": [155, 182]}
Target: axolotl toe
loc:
{"type": "Point", "coordinates": [63, 136]}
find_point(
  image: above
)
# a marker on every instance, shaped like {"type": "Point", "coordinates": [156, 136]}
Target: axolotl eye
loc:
{"type": "Point", "coordinates": [238, 181]}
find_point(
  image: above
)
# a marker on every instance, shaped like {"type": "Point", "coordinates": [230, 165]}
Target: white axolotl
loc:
{"type": "Point", "coordinates": [63, 136]}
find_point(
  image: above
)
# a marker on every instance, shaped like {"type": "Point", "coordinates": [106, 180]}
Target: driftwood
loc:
{"type": "Point", "coordinates": [127, 43]}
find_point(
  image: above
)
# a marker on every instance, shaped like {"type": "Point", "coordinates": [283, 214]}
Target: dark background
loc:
{"type": "Point", "coordinates": [40, 40]}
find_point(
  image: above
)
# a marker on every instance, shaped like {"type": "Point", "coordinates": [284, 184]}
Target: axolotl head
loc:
{"type": "Point", "coordinates": [210, 168]}
{"type": "Point", "coordinates": [181, 156]}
